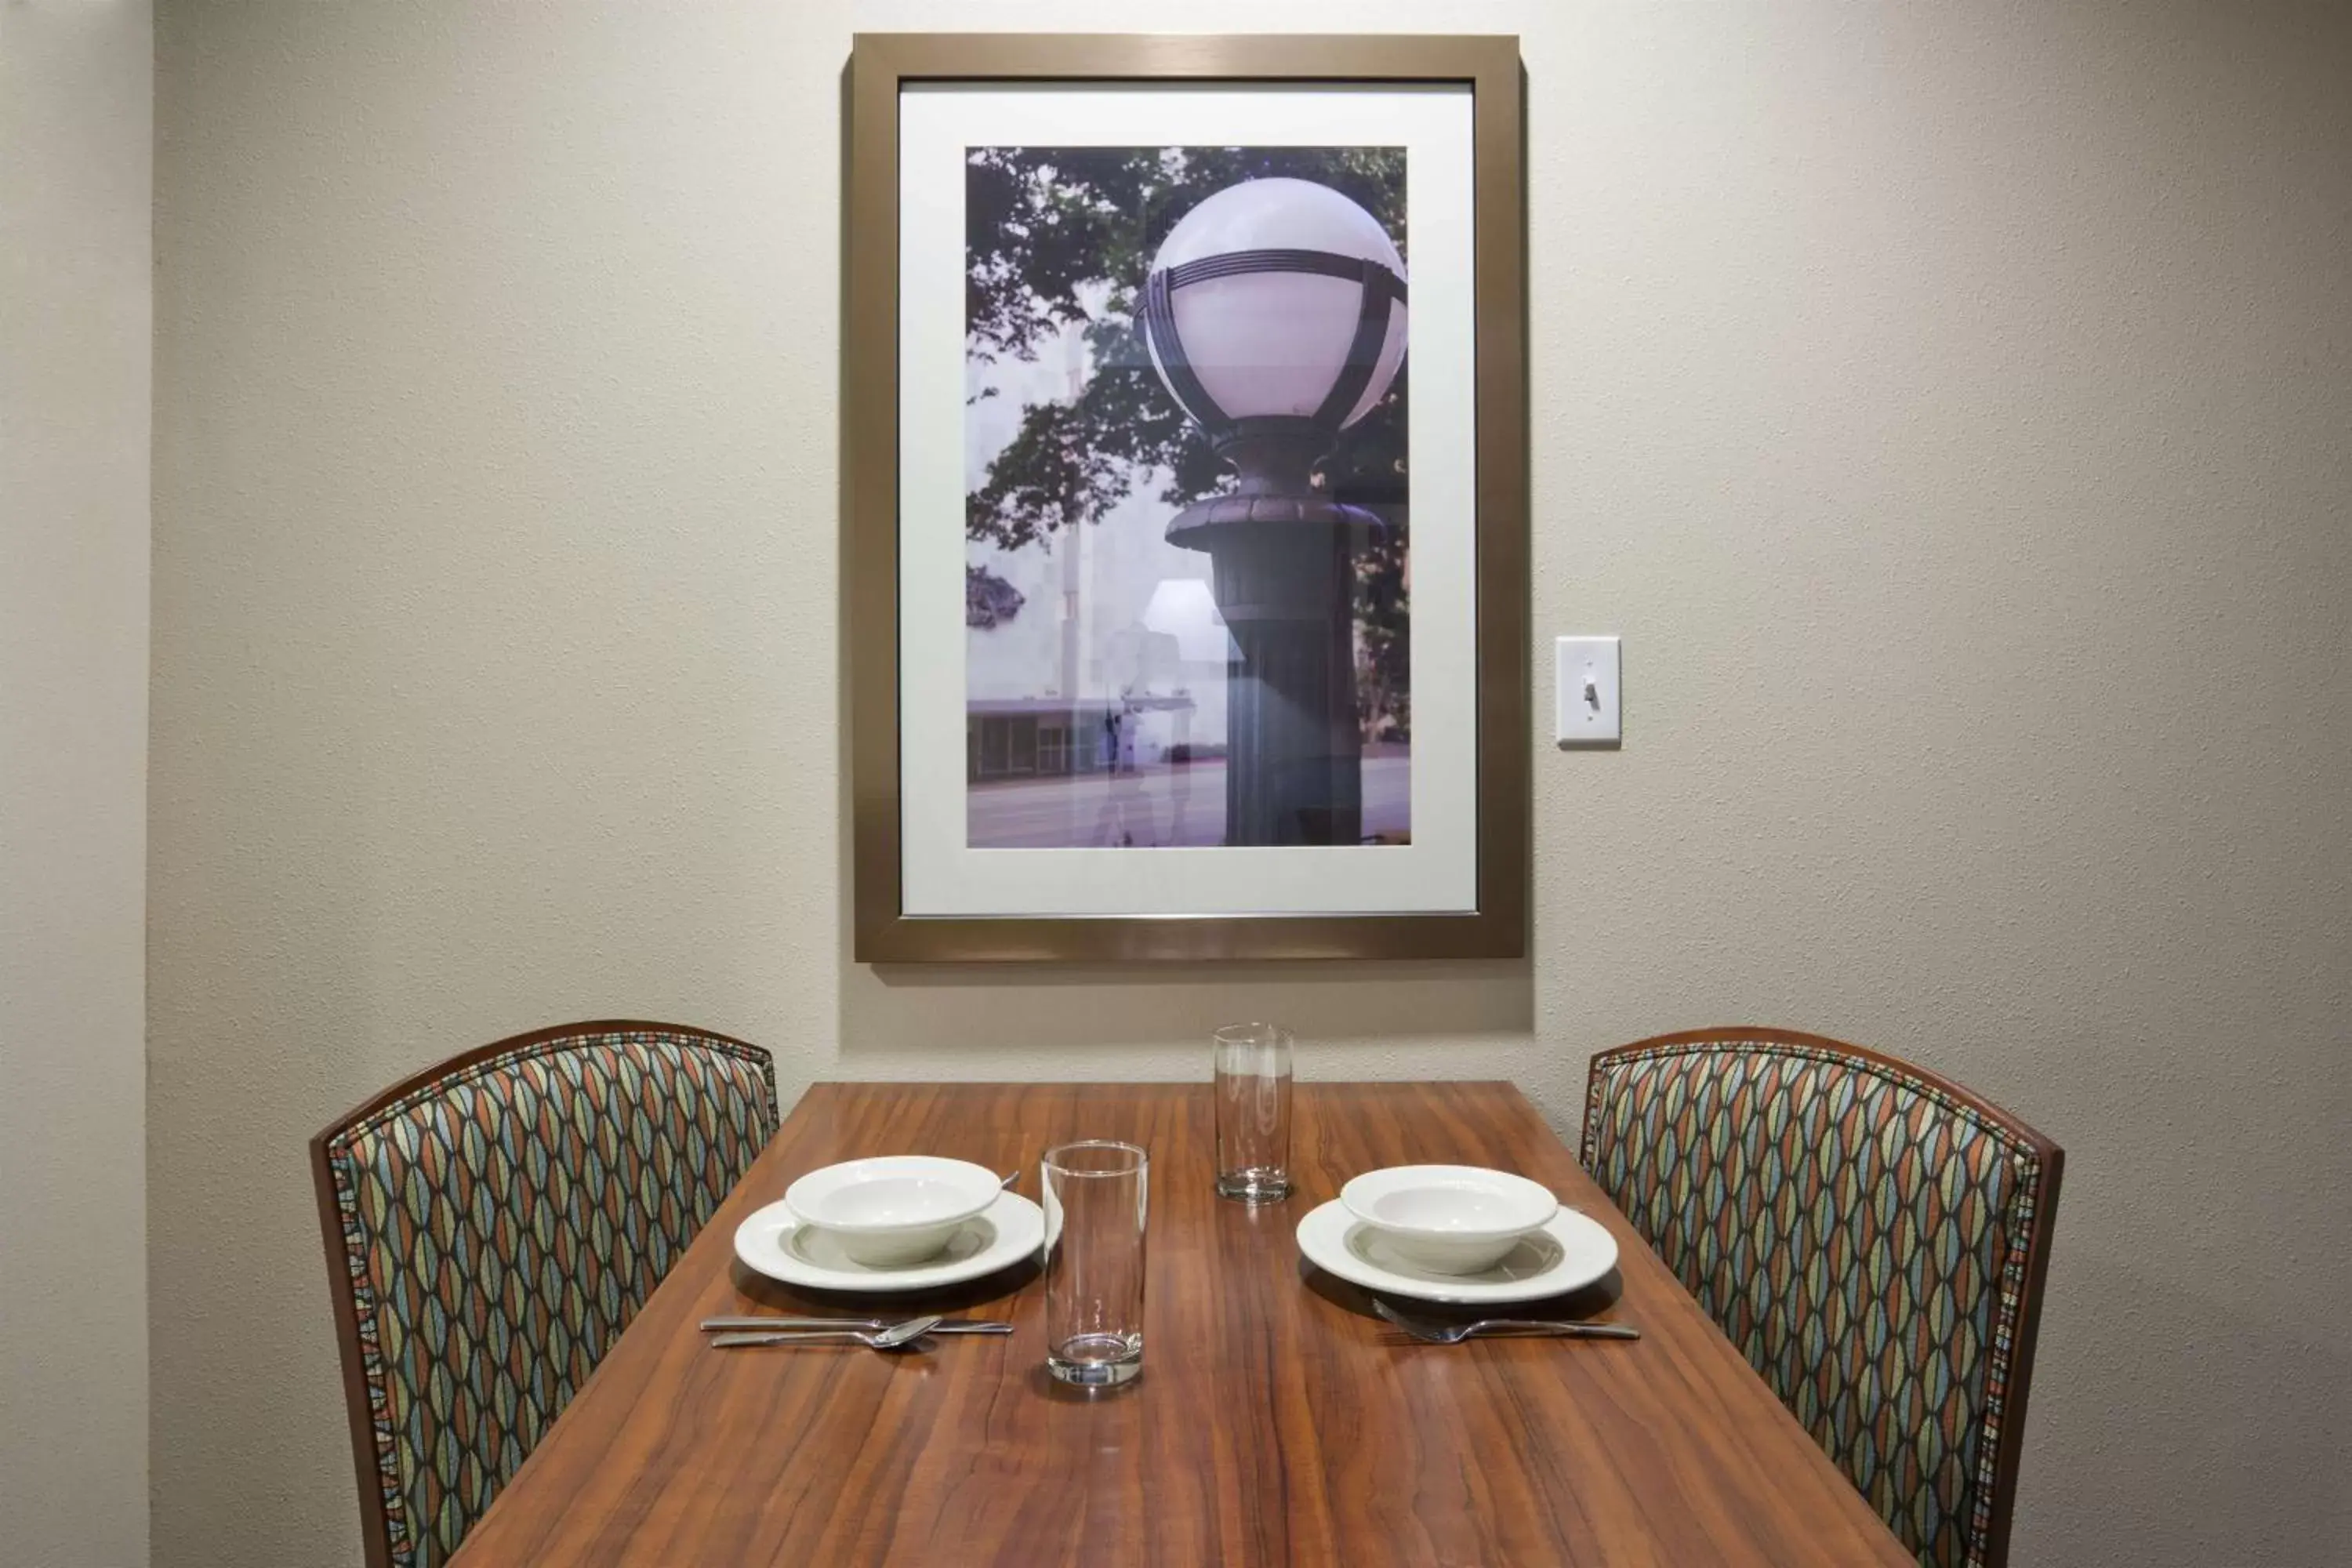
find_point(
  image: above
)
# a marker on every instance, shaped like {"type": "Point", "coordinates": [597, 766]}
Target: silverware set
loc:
{"type": "Point", "coordinates": [1429, 1333]}
{"type": "Point", "coordinates": [898, 1336]}
{"type": "Point", "coordinates": [874, 1333]}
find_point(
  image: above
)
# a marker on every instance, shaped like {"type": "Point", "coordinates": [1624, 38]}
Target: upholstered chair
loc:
{"type": "Point", "coordinates": [492, 1226]}
{"type": "Point", "coordinates": [1872, 1236]}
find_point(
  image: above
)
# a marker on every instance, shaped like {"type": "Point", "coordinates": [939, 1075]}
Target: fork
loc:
{"type": "Point", "coordinates": [898, 1336]}
{"type": "Point", "coordinates": [1527, 1327]}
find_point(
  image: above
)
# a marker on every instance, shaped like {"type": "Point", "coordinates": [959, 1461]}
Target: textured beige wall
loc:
{"type": "Point", "coordinates": [1948, 404]}
{"type": "Point", "coordinates": [75, 160]}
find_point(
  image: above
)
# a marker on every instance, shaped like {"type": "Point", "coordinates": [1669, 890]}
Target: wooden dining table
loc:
{"type": "Point", "coordinates": [1277, 1421]}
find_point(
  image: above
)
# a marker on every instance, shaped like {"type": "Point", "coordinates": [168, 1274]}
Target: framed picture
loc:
{"type": "Point", "coordinates": [1187, 498]}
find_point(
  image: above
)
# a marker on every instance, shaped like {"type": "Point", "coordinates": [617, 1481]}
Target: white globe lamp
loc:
{"type": "Point", "coordinates": [1276, 302]}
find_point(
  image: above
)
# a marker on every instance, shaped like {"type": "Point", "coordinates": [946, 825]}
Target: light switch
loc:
{"type": "Point", "coordinates": [1586, 692]}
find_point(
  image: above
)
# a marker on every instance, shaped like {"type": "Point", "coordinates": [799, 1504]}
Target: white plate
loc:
{"type": "Point", "coordinates": [1568, 1254]}
{"type": "Point", "coordinates": [776, 1243]}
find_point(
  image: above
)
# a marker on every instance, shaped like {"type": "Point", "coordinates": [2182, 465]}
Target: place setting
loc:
{"type": "Point", "coordinates": [905, 1227]}
{"type": "Point", "coordinates": [1435, 1236]}
{"type": "Point", "coordinates": [1456, 1244]}
{"type": "Point", "coordinates": [912, 1228]}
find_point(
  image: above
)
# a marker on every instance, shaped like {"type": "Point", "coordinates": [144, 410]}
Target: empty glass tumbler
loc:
{"type": "Point", "coordinates": [1097, 1198]}
{"type": "Point", "coordinates": [1253, 1092]}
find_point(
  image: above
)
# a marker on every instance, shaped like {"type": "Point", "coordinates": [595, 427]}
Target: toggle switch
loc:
{"type": "Point", "coordinates": [1585, 692]}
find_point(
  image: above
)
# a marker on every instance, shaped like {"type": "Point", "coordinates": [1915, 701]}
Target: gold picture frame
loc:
{"type": "Point", "coordinates": [882, 65]}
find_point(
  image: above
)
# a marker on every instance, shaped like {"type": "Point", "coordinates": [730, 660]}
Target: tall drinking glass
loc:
{"type": "Point", "coordinates": [1253, 1112]}
{"type": "Point", "coordinates": [1096, 1196]}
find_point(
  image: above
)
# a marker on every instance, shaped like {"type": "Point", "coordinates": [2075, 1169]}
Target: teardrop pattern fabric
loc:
{"type": "Point", "coordinates": [503, 1225]}
{"type": "Point", "coordinates": [1859, 1232]}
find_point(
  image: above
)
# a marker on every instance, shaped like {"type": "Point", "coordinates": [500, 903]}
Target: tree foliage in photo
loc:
{"type": "Point", "coordinates": [988, 599]}
{"type": "Point", "coordinates": [1056, 237]}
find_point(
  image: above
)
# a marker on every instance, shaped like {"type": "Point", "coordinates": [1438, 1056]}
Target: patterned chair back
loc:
{"type": "Point", "coordinates": [1872, 1236]}
{"type": "Point", "coordinates": [492, 1224]}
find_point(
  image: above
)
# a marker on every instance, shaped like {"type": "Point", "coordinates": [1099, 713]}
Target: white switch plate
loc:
{"type": "Point", "coordinates": [1585, 691]}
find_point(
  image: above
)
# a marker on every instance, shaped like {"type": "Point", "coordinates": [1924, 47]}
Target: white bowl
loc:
{"type": "Point", "coordinates": [898, 1209]}
{"type": "Point", "coordinates": [1449, 1219]}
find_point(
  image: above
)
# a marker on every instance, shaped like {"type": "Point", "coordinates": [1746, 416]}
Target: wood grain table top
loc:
{"type": "Point", "coordinates": [1273, 1423]}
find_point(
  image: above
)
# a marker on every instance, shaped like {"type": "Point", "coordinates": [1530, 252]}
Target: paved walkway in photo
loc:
{"type": "Point", "coordinates": [1162, 807]}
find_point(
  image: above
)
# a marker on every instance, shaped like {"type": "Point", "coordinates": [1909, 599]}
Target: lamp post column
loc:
{"type": "Point", "coordinates": [1274, 315]}
{"type": "Point", "coordinates": [1284, 566]}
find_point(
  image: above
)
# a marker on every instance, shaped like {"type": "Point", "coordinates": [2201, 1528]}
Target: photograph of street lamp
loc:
{"type": "Point", "coordinates": [1187, 512]}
